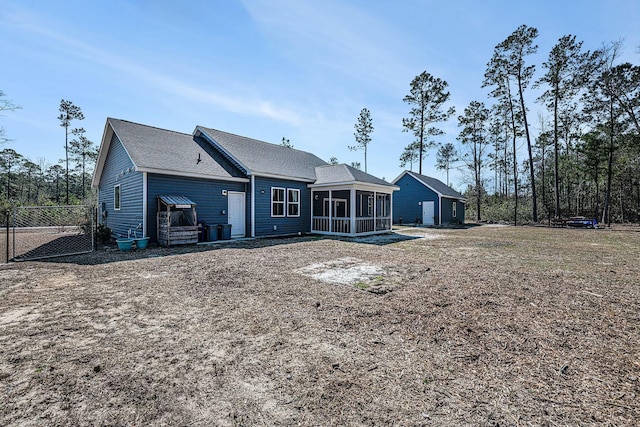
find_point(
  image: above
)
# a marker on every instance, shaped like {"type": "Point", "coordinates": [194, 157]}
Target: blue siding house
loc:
{"type": "Point", "coordinates": [260, 189]}
{"type": "Point", "coordinates": [425, 200]}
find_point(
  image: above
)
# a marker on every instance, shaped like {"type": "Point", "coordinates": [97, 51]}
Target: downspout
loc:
{"type": "Point", "coordinates": [439, 209]}
{"type": "Point", "coordinates": [253, 206]}
{"type": "Point", "coordinates": [145, 209]}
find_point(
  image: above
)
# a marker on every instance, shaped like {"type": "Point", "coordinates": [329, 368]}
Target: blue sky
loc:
{"type": "Point", "coordinates": [269, 69]}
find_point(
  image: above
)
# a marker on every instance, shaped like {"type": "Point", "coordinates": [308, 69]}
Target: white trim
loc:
{"type": "Point", "coordinates": [439, 194]}
{"type": "Point", "coordinates": [331, 204]}
{"type": "Point", "coordinates": [311, 206]}
{"type": "Point", "coordinates": [107, 134]}
{"type": "Point", "coordinates": [119, 187]}
{"type": "Point", "coordinates": [244, 212]}
{"type": "Point", "coordinates": [352, 210]}
{"type": "Point", "coordinates": [144, 204]}
{"type": "Point", "coordinates": [200, 132]}
{"type": "Point", "coordinates": [253, 206]}
{"type": "Point", "coordinates": [391, 211]}
{"type": "Point", "coordinates": [284, 177]}
{"type": "Point", "coordinates": [190, 174]}
{"type": "Point", "coordinates": [439, 209]}
{"type": "Point", "coordinates": [297, 190]}
{"type": "Point", "coordinates": [358, 185]}
{"type": "Point", "coordinates": [284, 202]}
{"type": "Point", "coordinates": [454, 209]}
{"type": "Point", "coordinates": [109, 131]}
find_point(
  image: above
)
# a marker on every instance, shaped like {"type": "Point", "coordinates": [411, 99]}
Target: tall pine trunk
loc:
{"type": "Point", "coordinates": [515, 162]}
{"type": "Point", "coordinates": [606, 217]}
{"type": "Point", "coordinates": [556, 171]}
{"type": "Point", "coordinates": [531, 170]}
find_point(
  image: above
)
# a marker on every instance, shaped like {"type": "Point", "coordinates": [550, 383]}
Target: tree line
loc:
{"type": "Point", "coordinates": [27, 182]}
{"type": "Point", "coordinates": [581, 158]}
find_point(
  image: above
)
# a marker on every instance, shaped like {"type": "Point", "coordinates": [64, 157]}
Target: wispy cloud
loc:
{"type": "Point", "coordinates": [332, 34]}
{"type": "Point", "coordinates": [133, 70]}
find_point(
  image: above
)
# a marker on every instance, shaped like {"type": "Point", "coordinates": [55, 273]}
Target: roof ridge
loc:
{"type": "Point", "coordinates": [257, 140]}
{"type": "Point", "coordinates": [149, 126]}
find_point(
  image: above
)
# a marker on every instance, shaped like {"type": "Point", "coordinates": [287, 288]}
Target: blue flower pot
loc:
{"type": "Point", "coordinates": [142, 242]}
{"type": "Point", "coordinates": [124, 244]}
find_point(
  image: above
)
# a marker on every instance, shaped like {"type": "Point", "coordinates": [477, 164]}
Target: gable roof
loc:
{"type": "Point", "coordinates": [434, 184]}
{"type": "Point", "coordinates": [345, 174]}
{"type": "Point", "coordinates": [263, 158]}
{"type": "Point", "coordinates": [160, 151]}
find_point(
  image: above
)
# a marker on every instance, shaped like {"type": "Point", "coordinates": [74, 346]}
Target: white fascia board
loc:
{"type": "Point", "coordinates": [107, 134]}
{"type": "Point", "coordinates": [200, 132]}
{"type": "Point", "coordinates": [284, 177]}
{"type": "Point", "coordinates": [191, 175]}
{"type": "Point", "coordinates": [426, 185]}
{"type": "Point", "coordinates": [399, 177]}
{"type": "Point", "coordinates": [358, 186]}
{"type": "Point", "coordinates": [460, 199]}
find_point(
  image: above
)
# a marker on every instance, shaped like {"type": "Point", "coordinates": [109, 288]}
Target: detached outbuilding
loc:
{"type": "Point", "coordinates": [425, 200]}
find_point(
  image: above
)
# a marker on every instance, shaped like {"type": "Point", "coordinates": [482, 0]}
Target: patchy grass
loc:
{"type": "Point", "coordinates": [483, 326]}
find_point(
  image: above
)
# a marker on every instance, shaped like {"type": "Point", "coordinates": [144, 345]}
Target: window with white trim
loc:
{"type": "Point", "coordinates": [277, 201]}
{"type": "Point", "coordinates": [293, 202]}
{"type": "Point", "coordinates": [454, 210]}
{"type": "Point", "coordinates": [116, 197]}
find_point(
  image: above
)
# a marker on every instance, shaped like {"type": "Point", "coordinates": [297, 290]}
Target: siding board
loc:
{"type": "Point", "coordinates": [288, 225]}
{"type": "Point", "coordinates": [206, 193]}
{"type": "Point", "coordinates": [119, 170]}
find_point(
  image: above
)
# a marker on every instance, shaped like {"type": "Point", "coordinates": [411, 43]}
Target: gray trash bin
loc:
{"type": "Point", "coordinates": [225, 231]}
{"type": "Point", "coordinates": [212, 233]}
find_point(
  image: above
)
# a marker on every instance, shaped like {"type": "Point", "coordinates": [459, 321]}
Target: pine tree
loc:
{"type": "Point", "coordinates": [427, 97]}
{"type": "Point", "coordinates": [68, 113]}
{"type": "Point", "coordinates": [364, 128]}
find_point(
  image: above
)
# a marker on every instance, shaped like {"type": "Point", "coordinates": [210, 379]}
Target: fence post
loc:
{"type": "Point", "coordinates": [7, 235]}
{"type": "Point", "coordinates": [15, 214]}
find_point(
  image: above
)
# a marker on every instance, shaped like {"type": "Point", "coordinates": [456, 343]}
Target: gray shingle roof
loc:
{"type": "Point", "coordinates": [165, 150]}
{"type": "Point", "coordinates": [259, 157]}
{"type": "Point", "coordinates": [435, 184]}
{"type": "Point", "coordinates": [334, 174]}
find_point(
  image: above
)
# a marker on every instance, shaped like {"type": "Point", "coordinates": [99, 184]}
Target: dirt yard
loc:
{"type": "Point", "coordinates": [490, 326]}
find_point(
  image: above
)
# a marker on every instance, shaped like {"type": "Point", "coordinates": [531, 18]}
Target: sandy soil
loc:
{"type": "Point", "coordinates": [479, 326]}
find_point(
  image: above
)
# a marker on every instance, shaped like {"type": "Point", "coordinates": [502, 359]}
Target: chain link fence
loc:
{"type": "Point", "coordinates": [6, 242]}
{"type": "Point", "coordinates": [39, 232]}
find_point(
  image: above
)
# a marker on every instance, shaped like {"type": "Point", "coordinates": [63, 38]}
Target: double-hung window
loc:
{"type": "Point", "coordinates": [116, 197]}
{"type": "Point", "coordinates": [293, 202]}
{"type": "Point", "coordinates": [278, 201]}
{"type": "Point", "coordinates": [285, 202]}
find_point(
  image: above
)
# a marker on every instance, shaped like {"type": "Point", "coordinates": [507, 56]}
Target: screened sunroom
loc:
{"type": "Point", "coordinates": [357, 206]}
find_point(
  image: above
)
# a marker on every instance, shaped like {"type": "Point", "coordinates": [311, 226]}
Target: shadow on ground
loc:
{"type": "Point", "coordinates": [110, 253]}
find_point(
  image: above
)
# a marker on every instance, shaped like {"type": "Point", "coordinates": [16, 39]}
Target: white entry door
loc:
{"type": "Point", "coordinates": [428, 213]}
{"type": "Point", "coordinates": [236, 213]}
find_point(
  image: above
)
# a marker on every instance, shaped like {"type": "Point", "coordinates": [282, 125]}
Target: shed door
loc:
{"type": "Point", "coordinates": [236, 213]}
{"type": "Point", "coordinates": [428, 213]}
